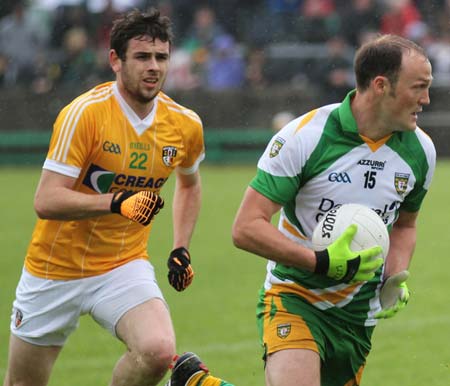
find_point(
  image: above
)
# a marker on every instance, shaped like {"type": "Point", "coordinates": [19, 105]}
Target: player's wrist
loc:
{"type": "Point", "coordinates": [180, 251]}
{"type": "Point", "coordinates": [116, 201]}
{"type": "Point", "coordinates": [322, 262]}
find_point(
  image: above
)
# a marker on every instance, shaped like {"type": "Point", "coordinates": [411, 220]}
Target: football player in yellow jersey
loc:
{"type": "Point", "coordinates": [111, 151]}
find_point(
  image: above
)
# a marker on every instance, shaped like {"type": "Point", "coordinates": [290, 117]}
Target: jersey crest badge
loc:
{"type": "Point", "coordinates": [168, 154]}
{"type": "Point", "coordinates": [276, 146]}
{"type": "Point", "coordinates": [18, 318]}
{"type": "Point", "coordinates": [283, 330]}
{"type": "Point", "coordinates": [401, 182]}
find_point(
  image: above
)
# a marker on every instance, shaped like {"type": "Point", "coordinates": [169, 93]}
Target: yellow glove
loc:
{"type": "Point", "coordinates": [339, 262]}
{"type": "Point", "coordinates": [394, 295]}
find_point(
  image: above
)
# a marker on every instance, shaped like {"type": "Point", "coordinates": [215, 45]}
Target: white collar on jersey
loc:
{"type": "Point", "coordinates": [140, 125]}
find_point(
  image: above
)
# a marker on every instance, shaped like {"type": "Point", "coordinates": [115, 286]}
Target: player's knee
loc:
{"type": "Point", "coordinates": [155, 356]}
{"type": "Point", "coordinates": [19, 382]}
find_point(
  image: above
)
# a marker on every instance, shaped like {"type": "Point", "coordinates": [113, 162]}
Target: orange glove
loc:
{"type": "Point", "coordinates": [137, 206]}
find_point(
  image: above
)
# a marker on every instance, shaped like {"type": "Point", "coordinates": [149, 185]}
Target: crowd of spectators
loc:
{"type": "Point", "coordinates": [219, 45]}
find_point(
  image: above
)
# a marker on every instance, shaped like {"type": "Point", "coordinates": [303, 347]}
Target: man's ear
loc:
{"type": "Point", "coordinates": [114, 61]}
{"type": "Point", "coordinates": [380, 85]}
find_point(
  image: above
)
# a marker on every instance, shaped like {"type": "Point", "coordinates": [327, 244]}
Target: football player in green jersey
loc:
{"type": "Point", "coordinates": [317, 309]}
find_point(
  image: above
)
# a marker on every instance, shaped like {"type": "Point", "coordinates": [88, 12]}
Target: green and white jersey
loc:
{"type": "Point", "coordinates": [318, 161]}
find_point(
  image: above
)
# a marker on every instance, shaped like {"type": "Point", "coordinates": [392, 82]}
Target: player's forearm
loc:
{"type": "Point", "coordinates": [261, 238]}
{"type": "Point", "coordinates": [186, 208]}
{"type": "Point", "coordinates": [402, 244]}
{"type": "Point", "coordinates": [62, 203]}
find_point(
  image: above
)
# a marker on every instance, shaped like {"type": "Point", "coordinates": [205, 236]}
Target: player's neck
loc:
{"type": "Point", "coordinates": [369, 120]}
{"type": "Point", "coordinates": [142, 110]}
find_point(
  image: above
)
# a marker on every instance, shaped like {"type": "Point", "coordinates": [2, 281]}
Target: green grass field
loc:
{"type": "Point", "coordinates": [215, 317]}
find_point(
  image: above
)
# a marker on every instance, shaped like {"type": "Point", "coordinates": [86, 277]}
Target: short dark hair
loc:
{"type": "Point", "coordinates": [139, 24]}
{"type": "Point", "coordinates": [382, 56]}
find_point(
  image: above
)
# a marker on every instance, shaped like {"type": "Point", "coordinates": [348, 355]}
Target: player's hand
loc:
{"type": "Point", "coordinates": [394, 295]}
{"type": "Point", "coordinates": [137, 206]}
{"type": "Point", "coordinates": [180, 270]}
{"type": "Point", "coordinates": [339, 262]}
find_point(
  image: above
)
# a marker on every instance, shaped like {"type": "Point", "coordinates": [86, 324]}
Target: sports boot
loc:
{"type": "Point", "coordinates": [184, 368]}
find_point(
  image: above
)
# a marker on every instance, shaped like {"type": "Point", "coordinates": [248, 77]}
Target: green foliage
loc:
{"type": "Point", "coordinates": [215, 317]}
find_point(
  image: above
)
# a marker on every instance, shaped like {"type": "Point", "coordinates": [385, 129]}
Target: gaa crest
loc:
{"type": "Point", "coordinates": [283, 330]}
{"type": "Point", "coordinates": [276, 146]}
{"type": "Point", "coordinates": [401, 182]}
{"type": "Point", "coordinates": [168, 154]}
{"type": "Point", "coordinates": [18, 318]}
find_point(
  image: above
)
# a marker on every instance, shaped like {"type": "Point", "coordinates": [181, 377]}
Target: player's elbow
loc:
{"type": "Point", "coordinates": [41, 212]}
{"type": "Point", "coordinates": [41, 208]}
{"type": "Point", "coordinates": [238, 235]}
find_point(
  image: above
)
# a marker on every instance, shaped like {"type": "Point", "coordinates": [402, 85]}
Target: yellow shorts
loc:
{"type": "Point", "coordinates": [286, 321]}
{"type": "Point", "coordinates": [283, 330]}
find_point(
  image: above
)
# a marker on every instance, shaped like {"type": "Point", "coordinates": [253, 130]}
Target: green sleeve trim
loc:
{"type": "Point", "coordinates": [278, 189]}
{"type": "Point", "coordinates": [414, 200]}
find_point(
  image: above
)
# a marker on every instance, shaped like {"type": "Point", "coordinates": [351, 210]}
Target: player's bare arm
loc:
{"type": "Point", "coordinates": [403, 242]}
{"type": "Point", "coordinates": [55, 199]}
{"type": "Point", "coordinates": [253, 232]}
{"type": "Point", "coordinates": [186, 207]}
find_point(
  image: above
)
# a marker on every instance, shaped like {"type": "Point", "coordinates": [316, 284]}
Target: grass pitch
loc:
{"type": "Point", "coordinates": [215, 317]}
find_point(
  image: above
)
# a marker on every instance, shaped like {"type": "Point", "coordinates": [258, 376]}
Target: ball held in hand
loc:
{"type": "Point", "coordinates": [371, 230]}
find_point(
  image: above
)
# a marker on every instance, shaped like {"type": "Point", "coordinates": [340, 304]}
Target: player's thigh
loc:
{"type": "Point", "coordinates": [293, 367]}
{"type": "Point", "coordinates": [129, 303]}
{"type": "Point", "coordinates": [148, 327]}
{"type": "Point", "coordinates": [29, 364]}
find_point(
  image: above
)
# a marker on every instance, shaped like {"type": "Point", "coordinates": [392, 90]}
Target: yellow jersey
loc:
{"type": "Point", "coordinates": [100, 141]}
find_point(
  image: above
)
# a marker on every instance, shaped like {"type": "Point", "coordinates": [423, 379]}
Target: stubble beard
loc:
{"type": "Point", "coordinates": [133, 89]}
{"type": "Point", "coordinates": [140, 96]}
